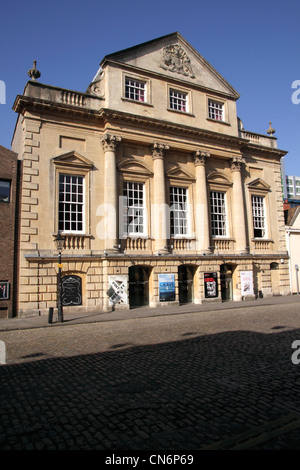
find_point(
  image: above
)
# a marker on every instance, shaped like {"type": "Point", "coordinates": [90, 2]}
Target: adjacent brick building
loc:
{"type": "Point", "coordinates": [9, 210]}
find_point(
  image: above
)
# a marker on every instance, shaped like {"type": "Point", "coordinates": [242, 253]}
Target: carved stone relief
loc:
{"type": "Point", "coordinates": [175, 59]}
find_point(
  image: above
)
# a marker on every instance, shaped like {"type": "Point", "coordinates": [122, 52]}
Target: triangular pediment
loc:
{"type": "Point", "coordinates": [73, 159]}
{"type": "Point", "coordinates": [173, 56]}
{"type": "Point", "coordinates": [131, 165]}
{"type": "Point", "coordinates": [179, 173]}
{"type": "Point", "coordinates": [259, 184]}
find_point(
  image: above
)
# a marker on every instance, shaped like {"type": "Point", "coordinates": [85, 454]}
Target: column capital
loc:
{"type": "Point", "coordinates": [236, 163]}
{"type": "Point", "coordinates": [158, 150]}
{"type": "Point", "coordinates": [200, 156]}
{"type": "Point", "coordinates": [110, 142]}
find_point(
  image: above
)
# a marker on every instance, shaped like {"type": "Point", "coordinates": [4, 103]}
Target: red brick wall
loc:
{"type": "Point", "coordinates": [8, 224]}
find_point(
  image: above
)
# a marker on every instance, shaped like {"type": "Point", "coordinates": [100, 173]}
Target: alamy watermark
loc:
{"type": "Point", "coordinates": [296, 355]}
{"type": "Point", "coordinates": [133, 220]}
{"type": "Point", "coordinates": [2, 353]}
{"type": "Point", "coordinates": [2, 92]}
{"type": "Point", "coordinates": [296, 93]}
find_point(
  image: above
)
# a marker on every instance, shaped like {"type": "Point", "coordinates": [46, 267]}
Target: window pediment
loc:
{"type": "Point", "coordinates": [133, 166]}
{"type": "Point", "coordinates": [73, 160]}
{"type": "Point", "coordinates": [178, 173]}
{"type": "Point", "coordinates": [259, 185]}
{"type": "Point", "coordinates": [218, 180]}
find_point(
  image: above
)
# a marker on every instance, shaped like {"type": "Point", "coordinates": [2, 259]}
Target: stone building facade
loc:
{"type": "Point", "coordinates": [10, 168]}
{"type": "Point", "coordinates": [162, 196]}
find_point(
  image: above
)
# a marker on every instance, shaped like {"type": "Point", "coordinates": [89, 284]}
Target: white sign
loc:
{"type": "Point", "coordinates": [117, 290]}
{"type": "Point", "coordinates": [2, 353]}
{"type": "Point", "coordinates": [246, 282]}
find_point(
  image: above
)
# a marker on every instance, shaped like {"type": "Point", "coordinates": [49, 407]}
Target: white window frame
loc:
{"type": "Point", "coordinates": [133, 88]}
{"type": "Point", "coordinates": [177, 98]}
{"type": "Point", "coordinates": [137, 211]}
{"type": "Point", "coordinates": [216, 109]}
{"type": "Point", "coordinates": [179, 212]}
{"type": "Point", "coordinates": [71, 198]}
{"type": "Point", "coordinates": [259, 215]}
{"type": "Point", "coordinates": [218, 214]}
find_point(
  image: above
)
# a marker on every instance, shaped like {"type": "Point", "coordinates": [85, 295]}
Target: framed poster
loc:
{"type": "Point", "coordinates": [166, 283]}
{"type": "Point", "coordinates": [246, 282]}
{"type": "Point", "coordinates": [211, 285]}
{"type": "Point", "coordinates": [4, 290]}
{"type": "Point", "coordinates": [117, 291]}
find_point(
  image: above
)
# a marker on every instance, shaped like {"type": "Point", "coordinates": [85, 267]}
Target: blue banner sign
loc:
{"type": "Point", "coordinates": [166, 287]}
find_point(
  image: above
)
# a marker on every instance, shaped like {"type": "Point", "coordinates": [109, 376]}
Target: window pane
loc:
{"type": "Point", "coordinates": [135, 90]}
{"type": "Point", "coordinates": [178, 101]}
{"type": "Point", "coordinates": [218, 214]}
{"type": "Point", "coordinates": [178, 211]}
{"type": "Point", "coordinates": [4, 191]}
{"type": "Point", "coordinates": [215, 110]}
{"type": "Point", "coordinates": [133, 205]}
{"type": "Point", "coordinates": [258, 216]}
{"type": "Point", "coordinates": [71, 204]}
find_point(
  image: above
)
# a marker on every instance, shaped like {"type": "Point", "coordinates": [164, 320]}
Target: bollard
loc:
{"type": "Point", "coordinates": [50, 315]}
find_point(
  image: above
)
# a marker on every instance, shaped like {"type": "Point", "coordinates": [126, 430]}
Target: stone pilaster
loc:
{"type": "Point", "coordinates": [160, 210]}
{"type": "Point", "coordinates": [110, 144]}
{"type": "Point", "coordinates": [238, 203]}
{"type": "Point", "coordinates": [202, 218]}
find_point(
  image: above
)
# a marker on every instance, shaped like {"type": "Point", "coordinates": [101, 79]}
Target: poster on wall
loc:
{"type": "Point", "coordinates": [166, 284]}
{"type": "Point", "coordinates": [211, 285]}
{"type": "Point", "coordinates": [117, 291]}
{"type": "Point", "coordinates": [4, 290]}
{"type": "Point", "coordinates": [246, 282]}
{"type": "Point", "coordinates": [71, 290]}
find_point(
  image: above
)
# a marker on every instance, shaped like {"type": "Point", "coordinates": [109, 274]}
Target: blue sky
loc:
{"type": "Point", "coordinates": [254, 45]}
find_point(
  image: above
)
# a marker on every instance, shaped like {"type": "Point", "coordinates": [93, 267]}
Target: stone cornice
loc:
{"type": "Point", "coordinates": [109, 116]}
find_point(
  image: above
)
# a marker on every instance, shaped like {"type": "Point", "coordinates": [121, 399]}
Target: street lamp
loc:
{"type": "Point", "coordinates": [59, 241]}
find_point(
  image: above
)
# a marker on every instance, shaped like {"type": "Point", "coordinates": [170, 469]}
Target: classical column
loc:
{"type": "Point", "coordinates": [201, 206]}
{"type": "Point", "coordinates": [159, 208]}
{"type": "Point", "coordinates": [110, 212]}
{"type": "Point", "coordinates": [238, 205]}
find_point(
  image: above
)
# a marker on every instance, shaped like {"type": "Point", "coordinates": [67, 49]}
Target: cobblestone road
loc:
{"type": "Point", "coordinates": [182, 382]}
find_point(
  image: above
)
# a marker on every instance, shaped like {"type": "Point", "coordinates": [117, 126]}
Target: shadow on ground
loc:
{"type": "Point", "coordinates": [182, 395]}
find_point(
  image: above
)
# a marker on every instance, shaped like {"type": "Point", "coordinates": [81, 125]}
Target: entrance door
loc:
{"type": "Point", "coordinates": [226, 282]}
{"type": "Point", "coordinates": [139, 286]}
{"type": "Point", "coordinates": [274, 267]}
{"type": "Point", "coordinates": [186, 284]}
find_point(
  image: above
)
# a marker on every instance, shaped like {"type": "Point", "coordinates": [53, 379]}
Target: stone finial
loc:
{"type": "Point", "coordinates": [34, 73]}
{"type": "Point", "coordinates": [271, 131]}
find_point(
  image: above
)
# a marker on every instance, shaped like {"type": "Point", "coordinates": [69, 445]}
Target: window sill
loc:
{"type": "Point", "coordinates": [135, 236]}
{"type": "Point", "coordinates": [143, 103]}
{"type": "Point", "coordinates": [182, 113]}
{"type": "Point", "coordinates": [219, 122]}
{"type": "Point", "coordinates": [261, 239]}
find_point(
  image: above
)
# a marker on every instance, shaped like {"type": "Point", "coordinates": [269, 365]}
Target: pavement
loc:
{"type": "Point", "coordinates": [73, 318]}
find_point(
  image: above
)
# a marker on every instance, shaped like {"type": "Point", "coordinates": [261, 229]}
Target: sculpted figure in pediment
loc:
{"type": "Point", "coordinates": [175, 59]}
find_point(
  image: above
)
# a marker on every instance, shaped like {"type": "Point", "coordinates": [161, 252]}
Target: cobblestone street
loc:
{"type": "Point", "coordinates": [219, 379]}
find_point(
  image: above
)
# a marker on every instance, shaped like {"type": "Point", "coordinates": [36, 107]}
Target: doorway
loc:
{"type": "Point", "coordinates": [186, 283]}
{"type": "Point", "coordinates": [139, 286]}
{"type": "Point", "coordinates": [226, 282]}
{"type": "Point", "coordinates": [274, 268]}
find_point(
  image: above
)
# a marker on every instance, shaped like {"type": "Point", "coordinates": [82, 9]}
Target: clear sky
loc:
{"type": "Point", "coordinates": [254, 45]}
